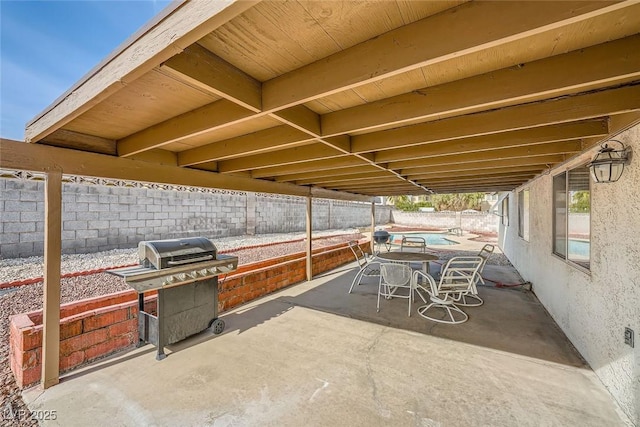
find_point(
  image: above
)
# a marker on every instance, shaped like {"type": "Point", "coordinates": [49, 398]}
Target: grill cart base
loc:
{"type": "Point", "coordinates": [182, 311]}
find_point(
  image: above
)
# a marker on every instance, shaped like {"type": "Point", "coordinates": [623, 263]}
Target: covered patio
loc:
{"type": "Point", "coordinates": [352, 100]}
{"type": "Point", "coordinates": [314, 355]}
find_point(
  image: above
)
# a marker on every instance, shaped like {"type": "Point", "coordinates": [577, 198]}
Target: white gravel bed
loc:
{"type": "Point", "coordinates": [26, 268]}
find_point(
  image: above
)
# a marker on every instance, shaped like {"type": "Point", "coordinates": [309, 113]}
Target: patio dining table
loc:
{"type": "Point", "coordinates": [409, 257]}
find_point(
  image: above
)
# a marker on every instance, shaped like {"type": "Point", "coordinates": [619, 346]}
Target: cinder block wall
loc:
{"type": "Point", "coordinates": [478, 222]}
{"type": "Point", "coordinates": [97, 218]}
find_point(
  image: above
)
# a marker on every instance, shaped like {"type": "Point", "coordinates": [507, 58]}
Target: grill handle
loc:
{"type": "Point", "coordinates": [190, 260]}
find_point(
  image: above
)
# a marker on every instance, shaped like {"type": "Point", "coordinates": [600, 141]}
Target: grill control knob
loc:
{"type": "Point", "coordinates": [182, 276]}
{"type": "Point", "coordinates": [213, 270]}
{"type": "Point", "coordinates": [203, 272]}
{"type": "Point", "coordinates": [170, 279]}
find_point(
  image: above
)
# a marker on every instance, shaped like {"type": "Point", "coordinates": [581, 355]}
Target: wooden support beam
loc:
{"type": "Point", "coordinates": [506, 153]}
{"type": "Point", "coordinates": [40, 158]}
{"type": "Point", "coordinates": [200, 68]}
{"type": "Point", "coordinates": [478, 172]}
{"type": "Point", "coordinates": [420, 43]}
{"type": "Point", "coordinates": [310, 166]}
{"type": "Point", "coordinates": [308, 242]}
{"type": "Point", "coordinates": [316, 151]}
{"type": "Point", "coordinates": [264, 141]}
{"type": "Point", "coordinates": [497, 178]}
{"type": "Point", "coordinates": [197, 122]}
{"type": "Point", "coordinates": [568, 109]}
{"type": "Point", "coordinates": [582, 70]}
{"type": "Point", "coordinates": [517, 138]}
{"type": "Point", "coordinates": [365, 176]}
{"type": "Point", "coordinates": [324, 173]}
{"type": "Point", "coordinates": [301, 118]}
{"type": "Point", "coordinates": [548, 160]}
{"type": "Point", "coordinates": [78, 141]}
{"type": "Point", "coordinates": [52, 259]}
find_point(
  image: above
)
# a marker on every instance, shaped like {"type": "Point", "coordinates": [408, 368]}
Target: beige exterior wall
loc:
{"type": "Point", "coordinates": [593, 307]}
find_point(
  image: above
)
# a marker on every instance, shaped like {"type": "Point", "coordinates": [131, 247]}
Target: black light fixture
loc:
{"type": "Point", "coordinates": [608, 164]}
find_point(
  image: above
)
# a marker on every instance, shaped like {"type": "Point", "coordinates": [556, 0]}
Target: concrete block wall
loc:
{"type": "Point", "coordinates": [97, 218]}
{"type": "Point", "coordinates": [480, 222]}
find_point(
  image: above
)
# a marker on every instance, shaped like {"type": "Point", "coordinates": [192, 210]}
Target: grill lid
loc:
{"type": "Point", "coordinates": [161, 254]}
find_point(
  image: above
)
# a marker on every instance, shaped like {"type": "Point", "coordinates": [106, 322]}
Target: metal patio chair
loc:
{"type": "Point", "coordinates": [458, 280]}
{"type": "Point", "coordinates": [438, 301]}
{"type": "Point", "coordinates": [394, 279]}
{"type": "Point", "coordinates": [413, 242]}
{"type": "Point", "coordinates": [367, 268]}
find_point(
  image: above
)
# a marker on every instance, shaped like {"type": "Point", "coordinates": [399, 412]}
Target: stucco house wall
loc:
{"type": "Point", "coordinates": [592, 307]}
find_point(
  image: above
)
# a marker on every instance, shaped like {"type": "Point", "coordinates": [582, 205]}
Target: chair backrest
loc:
{"type": "Point", "coordinates": [460, 272]}
{"type": "Point", "coordinates": [395, 274]}
{"type": "Point", "coordinates": [361, 257]}
{"type": "Point", "coordinates": [485, 253]}
{"type": "Point", "coordinates": [413, 242]}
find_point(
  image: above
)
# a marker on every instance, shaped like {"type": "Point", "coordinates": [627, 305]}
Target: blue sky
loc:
{"type": "Point", "coordinates": [46, 46]}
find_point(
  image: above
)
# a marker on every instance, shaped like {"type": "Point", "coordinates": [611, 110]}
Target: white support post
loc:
{"type": "Point", "coordinates": [308, 242]}
{"type": "Point", "coordinates": [52, 255]}
{"type": "Point", "coordinates": [373, 225]}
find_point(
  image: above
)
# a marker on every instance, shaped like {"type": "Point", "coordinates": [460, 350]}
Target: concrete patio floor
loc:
{"type": "Point", "coordinates": [314, 355]}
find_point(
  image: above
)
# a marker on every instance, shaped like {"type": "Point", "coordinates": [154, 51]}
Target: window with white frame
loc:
{"type": "Point", "coordinates": [523, 214]}
{"type": "Point", "coordinates": [572, 216]}
{"type": "Point", "coordinates": [505, 211]}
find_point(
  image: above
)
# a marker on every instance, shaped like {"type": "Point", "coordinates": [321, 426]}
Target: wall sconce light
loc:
{"type": "Point", "coordinates": [608, 164]}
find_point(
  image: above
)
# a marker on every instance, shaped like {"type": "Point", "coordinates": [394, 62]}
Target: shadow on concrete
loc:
{"type": "Point", "coordinates": [511, 318]}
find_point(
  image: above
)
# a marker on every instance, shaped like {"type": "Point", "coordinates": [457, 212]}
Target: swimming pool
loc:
{"type": "Point", "coordinates": [433, 239]}
{"type": "Point", "coordinates": [579, 248]}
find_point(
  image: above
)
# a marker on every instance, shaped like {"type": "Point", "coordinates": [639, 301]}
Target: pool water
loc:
{"type": "Point", "coordinates": [579, 248]}
{"type": "Point", "coordinates": [433, 239]}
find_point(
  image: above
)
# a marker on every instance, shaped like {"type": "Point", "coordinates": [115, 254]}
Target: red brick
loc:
{"type": "Point", "coordinates": [28, 376]}
{"type": "Point", "coordinates": [108, 347]}
{"type": "Point", "coordinates": [71, 360]}
{"type": "Point", "coordinates": [105, 318]}
{"type": "Point", "coordinates": [28, 359]}
{"type": "Point", "coordinates": [127, 327]}
{"type": "Point", "coordinates": [83, 341]}
{"type": "Point", "coordinates": [31, 338]}
{"type": "Point", "coordinates": [70, 329]}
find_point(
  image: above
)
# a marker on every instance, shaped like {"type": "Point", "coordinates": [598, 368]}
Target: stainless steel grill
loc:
{"type": "Point", "coordinates": [185, 274]}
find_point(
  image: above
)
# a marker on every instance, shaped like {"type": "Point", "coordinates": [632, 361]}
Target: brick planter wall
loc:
{"type": "Point", "coordinates": [94, 328]}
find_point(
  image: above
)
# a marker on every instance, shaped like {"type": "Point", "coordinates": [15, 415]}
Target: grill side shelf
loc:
{"type": "Point", "coordinates": [144, 279]}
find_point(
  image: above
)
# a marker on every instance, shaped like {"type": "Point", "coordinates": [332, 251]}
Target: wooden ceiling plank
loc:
{"type": "Point", "coordinates": [598, 66]}
{"type": "Point", "coordinates": [202, 69]}
{"type": "Point", "coordinates": [263, 141]}
{"type": "Point", "coordinates": [517, 138]}
{"type": "Point", "coordinates": [202, 120]}
{"type": "Point", "coordinates": [566, 109]}
{"type": "Point", "coordinates": [493, 155]}
{"type": "Point", "coordinates": [420, 43]}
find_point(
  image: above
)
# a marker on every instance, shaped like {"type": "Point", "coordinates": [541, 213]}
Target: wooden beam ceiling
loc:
{"type": "Point", "coordinates": [415, 115]}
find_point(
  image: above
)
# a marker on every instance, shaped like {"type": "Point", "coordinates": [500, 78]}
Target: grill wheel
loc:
{"type": "Point", "coordinates": [217, 326]}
